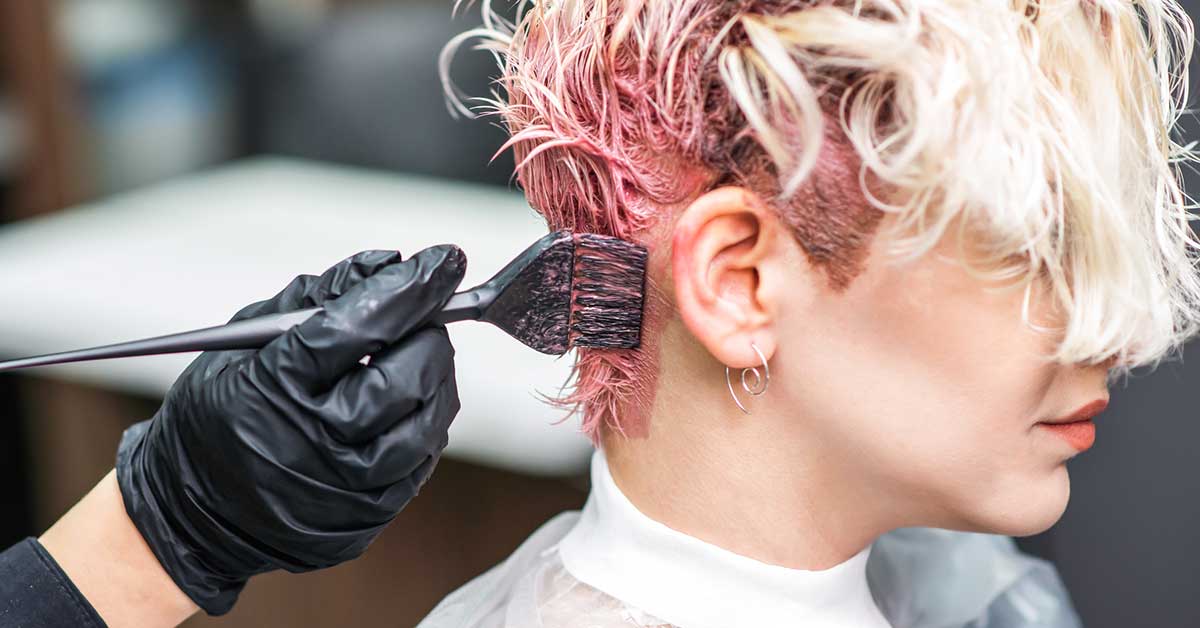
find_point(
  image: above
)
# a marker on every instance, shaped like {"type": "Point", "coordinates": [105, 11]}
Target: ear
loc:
{"type": "Point", "coordinates": [727, 262]}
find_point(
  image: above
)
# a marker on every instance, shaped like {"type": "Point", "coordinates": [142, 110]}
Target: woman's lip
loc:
{"type": "Point", "coordinates": [1084, 413]}
{"type": "Point", "coordinates": [1079, 434]}
{"type": "Point", "coordinates": [1077, 428]}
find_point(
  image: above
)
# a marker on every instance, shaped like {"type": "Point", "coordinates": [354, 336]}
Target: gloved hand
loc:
{"type": "Point", "coordinates": [296, 456]}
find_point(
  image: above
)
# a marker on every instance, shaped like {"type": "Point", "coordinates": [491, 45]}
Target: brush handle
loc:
{"type": "Point", "coordinates": [251, 333]}
{"type": "Point", "coordinates": [467, 306]}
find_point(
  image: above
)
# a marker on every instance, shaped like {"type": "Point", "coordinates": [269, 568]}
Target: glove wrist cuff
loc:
{"type": "Point", "coordinates": [175, 550]}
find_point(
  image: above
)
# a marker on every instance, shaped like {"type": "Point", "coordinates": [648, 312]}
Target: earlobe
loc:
{"type": "Point", "coordinates": [723, 247]}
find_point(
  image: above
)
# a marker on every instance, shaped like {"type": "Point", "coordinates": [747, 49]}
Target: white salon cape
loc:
{"type": "Point", "coordinates": [610, 566]}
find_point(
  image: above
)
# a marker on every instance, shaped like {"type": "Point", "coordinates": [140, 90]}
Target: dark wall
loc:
{"type": "Point", "coordinates": [1128, 547]}
{"type": "Point", "coordinates": [363, 89]}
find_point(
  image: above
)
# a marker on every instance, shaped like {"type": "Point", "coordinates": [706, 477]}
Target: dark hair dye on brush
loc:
{"type": "Point", "coordinates": [608, 290]}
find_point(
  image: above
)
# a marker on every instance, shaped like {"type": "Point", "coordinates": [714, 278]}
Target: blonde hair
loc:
{"type": "Point", "coordinates": [1045, 125]}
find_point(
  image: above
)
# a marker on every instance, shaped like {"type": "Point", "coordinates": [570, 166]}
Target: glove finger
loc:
{"type": "Point", "coordinates": [308, 291]}
{"type": "Point", "coordinates": [398, 380]}
{"type": "Point", "coordinates": [209, 365]}
{"type": "Point", "coordinates": [384, 503]}
{"type": "Point", "coordinates": [396, 454]}
{"type": "Point", "coordinates": [349, 273]}
{"type": "Point", "coordinates": [400, 454]}
{"type": "Point", "coordinates": [370, 316]}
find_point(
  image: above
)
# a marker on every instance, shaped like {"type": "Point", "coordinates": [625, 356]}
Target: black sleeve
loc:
{"type": "Point", "coordinates": [35, 593]}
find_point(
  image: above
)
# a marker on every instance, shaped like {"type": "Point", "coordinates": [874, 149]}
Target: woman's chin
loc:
{"type": "Point", "coordinates": [1030, 507]}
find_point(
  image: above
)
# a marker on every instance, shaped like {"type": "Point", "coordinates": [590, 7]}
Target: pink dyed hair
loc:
{"type": "Point", "coordinates": [616, 113]}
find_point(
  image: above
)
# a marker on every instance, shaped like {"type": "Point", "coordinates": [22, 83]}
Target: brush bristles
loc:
{"type": "Point", "coordinates": [608, 291]}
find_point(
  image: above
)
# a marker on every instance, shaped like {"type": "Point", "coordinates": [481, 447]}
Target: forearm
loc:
{"type": "Point", "coordinates": [103, 553]}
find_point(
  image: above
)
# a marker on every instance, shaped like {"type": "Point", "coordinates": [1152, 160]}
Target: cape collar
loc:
{"type": "Point", "coordinates": [689, 583]}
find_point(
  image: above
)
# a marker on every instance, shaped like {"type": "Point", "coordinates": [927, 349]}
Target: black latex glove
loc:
{"type": "Point", "coordinates": [297, 456]}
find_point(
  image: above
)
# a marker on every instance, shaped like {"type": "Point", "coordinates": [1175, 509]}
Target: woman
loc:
{"type": "Point", "coordinates": [899, 249]}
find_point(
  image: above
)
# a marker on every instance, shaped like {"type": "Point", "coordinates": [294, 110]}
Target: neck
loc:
{"type": "Point", "coordinates": [753, 485]}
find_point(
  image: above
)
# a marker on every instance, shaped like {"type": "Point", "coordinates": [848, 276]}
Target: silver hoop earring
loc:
{"type": "Point", "coordinates": [761, 380]}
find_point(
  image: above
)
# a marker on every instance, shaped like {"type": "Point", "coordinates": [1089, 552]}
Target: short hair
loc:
{"type": "Point", "coordinates": [1046, 125]}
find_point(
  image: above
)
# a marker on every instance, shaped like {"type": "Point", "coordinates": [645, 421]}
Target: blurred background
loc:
{"type": "Point", "coordinates": [195, 134]}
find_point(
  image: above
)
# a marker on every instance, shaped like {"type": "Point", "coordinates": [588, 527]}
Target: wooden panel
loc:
{"type": "Point", "coordinates": [73, 432]}
{"type": "Point", "coordinates": [37, 76]}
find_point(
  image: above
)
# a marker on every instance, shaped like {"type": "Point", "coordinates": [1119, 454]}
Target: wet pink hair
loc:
{"type": "Point", "coordinates": [618, 116]}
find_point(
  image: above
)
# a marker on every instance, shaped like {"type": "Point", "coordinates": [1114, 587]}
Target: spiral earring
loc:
{"type": "Point", "coordinates": [761, 380]}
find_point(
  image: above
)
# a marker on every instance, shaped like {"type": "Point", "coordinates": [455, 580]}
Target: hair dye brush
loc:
{"type": "Point", "coordinates": [566, 290]}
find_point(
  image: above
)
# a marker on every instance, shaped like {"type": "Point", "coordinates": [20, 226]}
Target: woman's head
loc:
{"type": "Point", "coordinates": [802, 171]}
